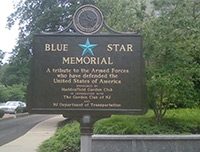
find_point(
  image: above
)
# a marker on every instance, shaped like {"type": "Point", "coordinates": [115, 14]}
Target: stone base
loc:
{"type": "Point", "coordinates": [146, 143]}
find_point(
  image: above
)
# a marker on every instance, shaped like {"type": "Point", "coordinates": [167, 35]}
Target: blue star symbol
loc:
{"type": "Point", "coordinates": [87, 47]}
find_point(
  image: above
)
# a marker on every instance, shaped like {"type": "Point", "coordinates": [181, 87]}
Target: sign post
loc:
{"type": "Point", "coordinates": [86, 143]}
{"type": "Point", "coordinates": [87, 76]}
{"type": "Point", "coordinates": [86, 134]}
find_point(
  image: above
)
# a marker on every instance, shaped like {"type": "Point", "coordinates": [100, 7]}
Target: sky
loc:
{"type": "Point", "coordinates": [8, 37]}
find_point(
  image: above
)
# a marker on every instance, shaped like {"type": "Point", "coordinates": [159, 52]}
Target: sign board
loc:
{"type": "Point", "coordinates": [81, 74]}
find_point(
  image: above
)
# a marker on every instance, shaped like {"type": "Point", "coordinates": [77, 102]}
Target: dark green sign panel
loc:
{"type": "Point", "coordinates": [87, 74]}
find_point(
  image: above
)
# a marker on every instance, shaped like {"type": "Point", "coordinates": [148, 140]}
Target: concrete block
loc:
{"type": "Point", "coordinates": [146, 143]}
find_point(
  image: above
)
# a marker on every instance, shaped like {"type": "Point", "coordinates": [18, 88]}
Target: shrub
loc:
{"type": "Point", "coordinates": [179, 121]}
{"type": "Point", "coordinates": [21, 110]}
{"type": "Point", "coordinates": [1, 113]}
{"type": "Point", "coordinates": [66, 139]}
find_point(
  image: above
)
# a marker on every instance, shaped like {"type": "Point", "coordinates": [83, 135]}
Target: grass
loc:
{"type": "Point", "coordinates": [179, 121]}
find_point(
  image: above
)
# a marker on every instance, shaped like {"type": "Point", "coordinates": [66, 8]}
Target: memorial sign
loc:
{"type": "Point", "coordinates": [75, 74]}
{"type": "Point", "coordinates": [87, 75]}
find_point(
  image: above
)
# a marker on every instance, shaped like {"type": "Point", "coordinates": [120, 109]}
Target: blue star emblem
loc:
{"type": "Point", "coordinates": [87, 47]}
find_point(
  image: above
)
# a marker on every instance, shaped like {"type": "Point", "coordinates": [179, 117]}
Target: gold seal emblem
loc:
{"type": "Point", "coordinates": [88, 19]}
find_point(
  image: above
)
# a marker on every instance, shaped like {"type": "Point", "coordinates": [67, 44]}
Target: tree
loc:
{"type": "Point", "coordinates": [124, 15]}
{"type": "Point", "coordinates": [14, 92]}
{"type": "Point", "coordinates": [171, 50]}
{"type": "Point", "coordinates": [1, 63]}
{"type": "Point", "coordinates": [4, 94]}
{"type": "Point", "coordinates": [15, 73]}
{"type": "Point", "coordinates": [35, 16]}
{"type": "Point", "coordinates": [17, 92]}
{"type": "Point", "coordinates": [1, 57]}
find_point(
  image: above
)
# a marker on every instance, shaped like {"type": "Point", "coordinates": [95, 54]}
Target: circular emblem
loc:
{"type": "Point", "coordinates": [88, 19]}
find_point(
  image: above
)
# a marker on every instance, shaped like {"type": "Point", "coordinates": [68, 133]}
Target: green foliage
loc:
{"type": "Point", "coordinates": [14, 92]}
{"type": "Point", "coordinates": [123, 15]}
{"type": "Point", "coordinates": [17, 92]}
{"type": "Point", "coordinates": [2, 70]}
{"type": "Point", "coordinates": [4, 93]}
{"type": "Point", "coordinates": [15, 74]}
{"type": "Point", "coordinates": [172, 51]}
{"type": "Point", "coordinates": [180, 121]}
{"type": "Point", "coordinates": [1, 113]}
{"type": "Point", "coordinates": [2, 54]}
{"type": "Point", "coordinates": [115, 125]}
{"type": "Point", "coordinates": [21, 110]}
{"type": "Point", "coordinates": [66, 139]}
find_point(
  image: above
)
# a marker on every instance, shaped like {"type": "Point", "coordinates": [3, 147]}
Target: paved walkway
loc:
{"type": "Point", "coordinates": [33, 138]}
